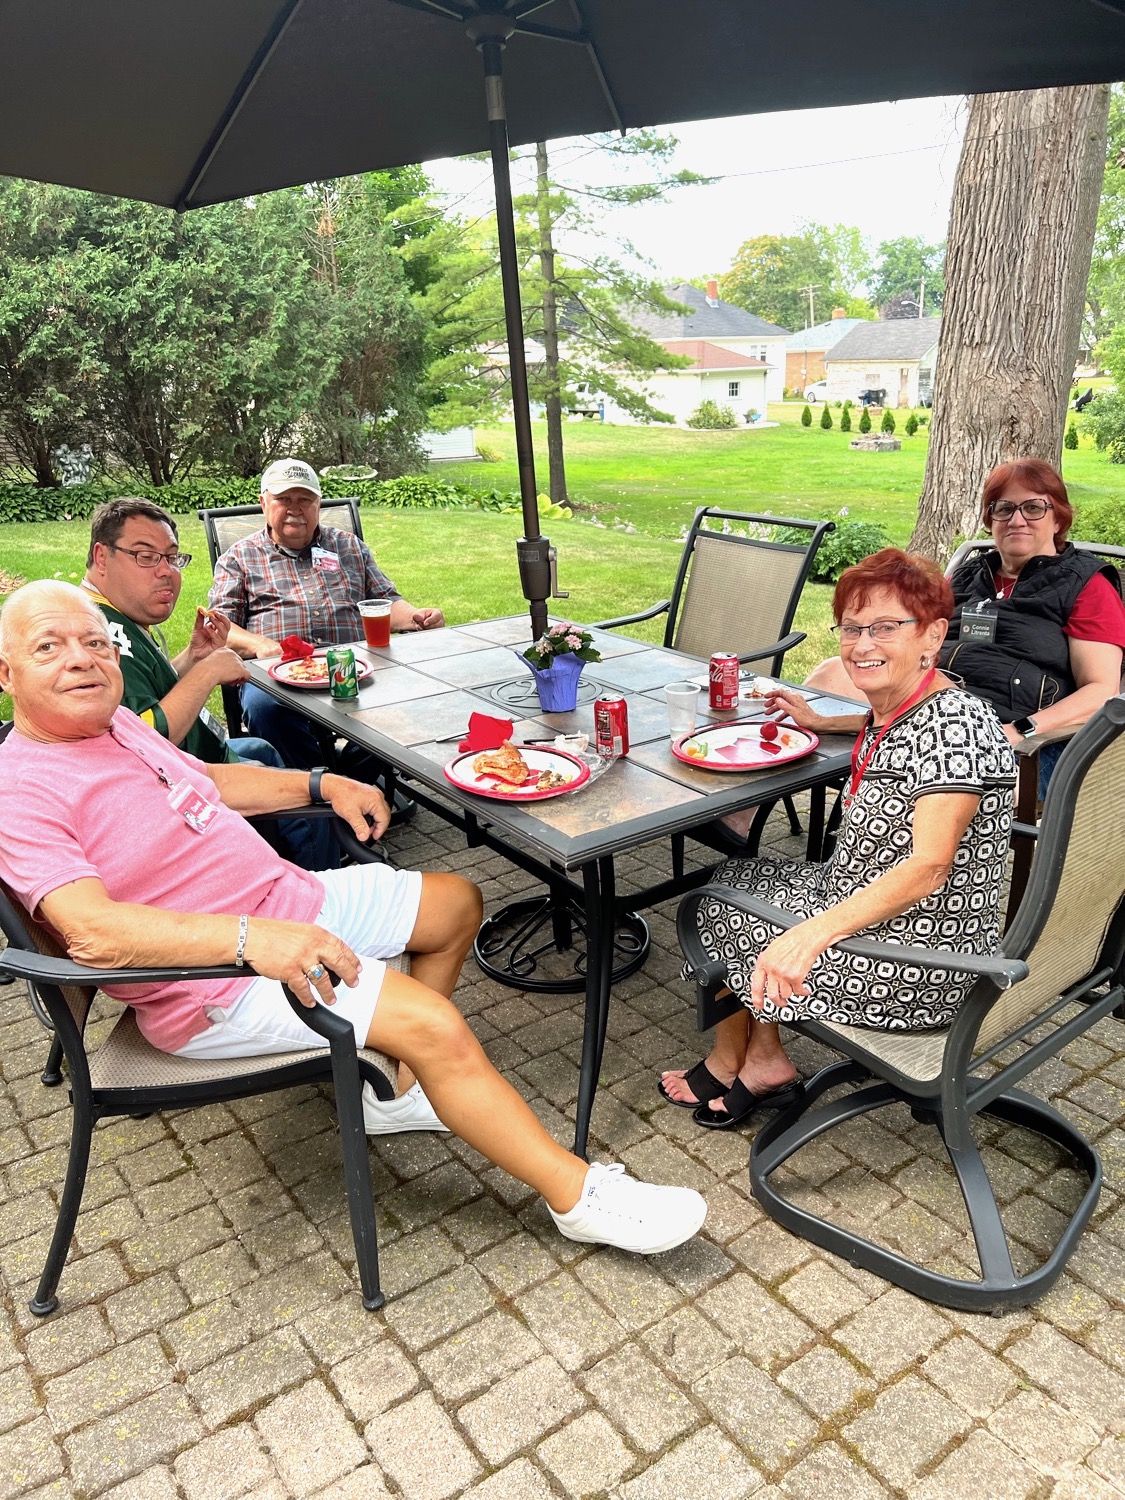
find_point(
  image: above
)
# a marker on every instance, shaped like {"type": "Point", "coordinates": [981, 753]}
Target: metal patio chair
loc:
{"type": "Point", "coordinates": [738, 593]}
{"type": "Point", "coordinates": [125, 1075]}
{"type": "Point", "coordinates": [1065, 945]}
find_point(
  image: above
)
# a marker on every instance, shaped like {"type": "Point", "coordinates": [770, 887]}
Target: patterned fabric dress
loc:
{"type": "Point", "coordinates": [951, 742]}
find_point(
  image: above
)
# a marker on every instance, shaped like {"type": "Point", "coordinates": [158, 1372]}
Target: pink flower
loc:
{"type": "Point", "coordinates": [574, 642]}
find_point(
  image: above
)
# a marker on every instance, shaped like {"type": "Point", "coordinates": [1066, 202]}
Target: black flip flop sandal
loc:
{"type": "Point", "coordinates": [703, 1084]}
{"type": "Point", "coordinates": [741, 1103]}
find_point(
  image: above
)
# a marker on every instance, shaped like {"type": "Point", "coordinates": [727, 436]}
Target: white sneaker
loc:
{"type": "Point", "coordinates": [616, 1209]}
{"type": "Point", "coordinates": [410, 1111]}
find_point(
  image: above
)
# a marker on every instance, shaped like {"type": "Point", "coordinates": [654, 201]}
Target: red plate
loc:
{"type": "Point", "coordinates": [460, 772]}
{"type": "Point", "coordinates": [280, 673]}
{"type": "Point", "coordinates": [738, 746]}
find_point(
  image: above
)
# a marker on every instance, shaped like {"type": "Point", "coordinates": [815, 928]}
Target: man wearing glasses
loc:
{"type": "Point", "coordinates": [134, 571]}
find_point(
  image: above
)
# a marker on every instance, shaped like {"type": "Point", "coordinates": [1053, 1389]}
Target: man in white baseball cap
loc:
{"type": "Point", "coordinates": [299, 577]}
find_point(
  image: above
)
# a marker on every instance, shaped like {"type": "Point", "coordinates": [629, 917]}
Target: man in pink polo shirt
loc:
{"type": "Point", "coordinates": [134, 853]}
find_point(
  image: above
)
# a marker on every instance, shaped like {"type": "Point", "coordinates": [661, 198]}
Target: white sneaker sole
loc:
{"type": "Point", "coordinates": [685, 1230]}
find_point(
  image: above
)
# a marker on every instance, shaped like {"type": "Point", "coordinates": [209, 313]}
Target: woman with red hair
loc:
{"type": "Point", "coordinates": [919, 860]}
{"type": "Point", "coordinates": [1039, 627]}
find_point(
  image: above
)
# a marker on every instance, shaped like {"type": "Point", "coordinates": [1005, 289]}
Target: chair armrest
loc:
{"type": "Point", "coordinates": [364, 853]}
{"type": "Point", "coordinates": [47, 969]}
{"type": "Point", "coordinates": [1036, 741]}
{"type": "Point", "coordinates": [648, 614]}
{"type": "Point", "coordinates": [794, 638]}
{"type": "Point", "coordinates": [1003, 971]}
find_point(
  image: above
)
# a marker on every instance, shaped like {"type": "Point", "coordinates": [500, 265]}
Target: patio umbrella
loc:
{"type": "Point", "coordinates": [191, 102]}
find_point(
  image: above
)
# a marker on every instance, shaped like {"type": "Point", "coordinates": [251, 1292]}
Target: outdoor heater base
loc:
{"type": "Point", "coordinates": [540, 945]}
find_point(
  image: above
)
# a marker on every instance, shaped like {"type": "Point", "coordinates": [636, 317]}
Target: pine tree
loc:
{"type": "Point", "coordinates": [865, 420]}
{"type": "Point", "coordinates": [846, 418]}
{"type": "Point", "coordinates": [1071, 439]}
{"type": "Point", "coordinates": [826, 417]}
{"type": "Point", "coordinates": [911, 425]}
{"type": "Point", "coordinates": [806, 418]}
{"type": "Point", "coordinates": [888, 422]}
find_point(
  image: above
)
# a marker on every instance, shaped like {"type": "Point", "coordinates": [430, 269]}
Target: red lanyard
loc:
{"type": "Point", "coordinates": [860, 766]}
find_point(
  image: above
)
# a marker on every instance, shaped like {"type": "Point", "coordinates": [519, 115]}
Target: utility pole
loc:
{"type": "Point", "coordinates": [922, 299]}
{"type": "Point", "coordinates": [808, 292]}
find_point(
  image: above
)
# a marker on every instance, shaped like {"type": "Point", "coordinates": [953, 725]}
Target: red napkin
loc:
{"type": "Point", "coordinates": [485, 733]}
{"type": "Point", "coordinates": [293, 648]}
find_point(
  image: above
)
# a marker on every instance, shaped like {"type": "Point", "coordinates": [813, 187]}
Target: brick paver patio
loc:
{"type": "Point", "coordinates": [211, 1342]}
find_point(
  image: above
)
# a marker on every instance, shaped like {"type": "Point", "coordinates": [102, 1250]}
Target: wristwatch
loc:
{"type": "Point", "coordinates": [1025, 726]}
{"type": "Point", "coordinates": [315, 776]}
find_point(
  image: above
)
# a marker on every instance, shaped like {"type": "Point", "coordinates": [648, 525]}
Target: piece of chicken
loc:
{"type": "Point", "coordinates": [507, 764]}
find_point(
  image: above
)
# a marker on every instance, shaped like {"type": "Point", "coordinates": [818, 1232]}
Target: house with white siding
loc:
{"type": "Point", "coordinates": [896, 356]}
{"type": "Point", "coordinates": [712, 321]}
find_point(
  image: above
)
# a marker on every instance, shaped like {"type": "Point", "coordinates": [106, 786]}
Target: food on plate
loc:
{"type": "Point", "coordinates": [550, 781]}
{"type": "Point", "coordinates": [770, 731]}
{"type": "Point", "coordinates": [309, 669]}
{"type": "Point", "coordinates": [506, 764]}
{"type": "Point", "coordinates": [761, 687]}
{"type": "Point", "coordinates": [697, 750]}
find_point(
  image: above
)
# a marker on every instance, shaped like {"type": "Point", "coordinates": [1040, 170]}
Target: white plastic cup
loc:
{"type": "Point", "coordinates": [683, 702]}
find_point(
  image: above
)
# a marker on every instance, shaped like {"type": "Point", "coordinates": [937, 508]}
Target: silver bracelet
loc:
{"type": "Point", "coordinates": [240, 950]}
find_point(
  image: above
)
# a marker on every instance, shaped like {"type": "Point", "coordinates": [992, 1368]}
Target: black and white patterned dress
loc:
{"type": "Point", "coordinates": [950, 742]}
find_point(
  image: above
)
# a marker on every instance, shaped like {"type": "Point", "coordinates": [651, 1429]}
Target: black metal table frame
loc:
{"type": "Point", "coordinates": [597, 890]}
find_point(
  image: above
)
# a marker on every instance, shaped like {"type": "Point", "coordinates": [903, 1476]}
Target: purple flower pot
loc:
{"type": "Point", "coordinates": [557, 685]}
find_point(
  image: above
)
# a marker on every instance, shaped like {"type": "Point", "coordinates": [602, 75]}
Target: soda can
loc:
{"type": "Point", "coordinates": [723, 678]}
{"type": "Point", "coordinates": [611, 727]}
{"type": "Point", "coordinates": [342, 681]}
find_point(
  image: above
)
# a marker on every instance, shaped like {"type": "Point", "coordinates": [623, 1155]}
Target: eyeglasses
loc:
{"type": "Point", "coordinates": [882, 630]}
{"type": "Point", "coordinates": [145, 558]}
{"type": "Point", "coordinates": [1031, 510]}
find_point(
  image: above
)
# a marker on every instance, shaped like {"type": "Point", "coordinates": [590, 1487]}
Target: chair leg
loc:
{"type": "Point", "coordinates": [357, 1168]}
{"type": "Point", "coordinates": [51, 1075]}
{"type": "Point", "coordinates": [81, 1129]}
{"type": "Point", "coordinates": [791, 812]}
{"type": "Point", "coordinates": [998, 1288]}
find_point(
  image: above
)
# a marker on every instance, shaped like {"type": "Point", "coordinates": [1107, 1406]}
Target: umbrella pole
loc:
{"type": "Point", "coordinates": [533, 550]}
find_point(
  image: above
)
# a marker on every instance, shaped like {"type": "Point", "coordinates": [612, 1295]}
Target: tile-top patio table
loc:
{"type": "Point", "coordinates": [415, 706]}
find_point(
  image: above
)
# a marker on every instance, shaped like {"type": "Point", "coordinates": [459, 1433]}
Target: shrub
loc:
{"type": "Point", "coordinates": [888, 422]}
{"type": "Point", "coordinates": [1105, 418]}
{"type": "Point", "coordinates": [911, 426]}
{"type": "Point", "coordinates": [839, 405]}
{"type": "Point", "coordinates": [845, 420]}
{"type": "Point", "coordinates": [1101, 520]}
{"type": "Point", "coordinates": [826, 417]}
{"type": "Point", "coordinates": [850, 543]}
{"type": "Point", "coordinates": [29, 502]}
{"type": "Point", "coordinates": [848, 404]}
{"type": "Point", "coordinates": [865, 420]}
{"type": "Point", "coordinates": [806, 418]}
{"type": "Point", "coordinates": [711, 416]}
{"type": "Point", "coordinates": [1071, 439]}
{"type": "Point", "coordinates": [488, 454]}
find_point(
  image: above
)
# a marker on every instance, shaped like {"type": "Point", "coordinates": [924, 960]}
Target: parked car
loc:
{"type": "Point", "coordinates": [818, 391]}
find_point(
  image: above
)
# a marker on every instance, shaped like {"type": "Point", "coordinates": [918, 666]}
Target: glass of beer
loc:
{"type": "Point", "coordinates": [376, 617]}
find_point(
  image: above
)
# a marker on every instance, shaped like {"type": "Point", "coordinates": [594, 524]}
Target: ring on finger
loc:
{"type": "Point", "coordinates": [316, 973]}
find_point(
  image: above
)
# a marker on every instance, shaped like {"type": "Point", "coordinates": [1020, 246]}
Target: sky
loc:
{"type": "Point", "coordinates": [887, 168]}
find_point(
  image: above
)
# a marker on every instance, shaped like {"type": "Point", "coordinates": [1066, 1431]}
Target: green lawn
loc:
{"type": "Point", "coordinates": [656, 477]}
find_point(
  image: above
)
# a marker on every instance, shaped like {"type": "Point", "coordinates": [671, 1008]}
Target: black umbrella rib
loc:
{"type": "Point", "coordinates": [237, 100]}
{"type": "Point", "coordinates": [1117, 6]}
{"type": "Point", "coordinates": [434, 8]}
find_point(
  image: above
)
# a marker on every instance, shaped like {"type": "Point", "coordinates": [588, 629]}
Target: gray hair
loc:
{"type": "Point", "coordinates": [42, 591]}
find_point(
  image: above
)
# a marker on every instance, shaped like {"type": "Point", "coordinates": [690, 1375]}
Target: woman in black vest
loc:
{"type": "Point", "coordinates": [1039, 627]}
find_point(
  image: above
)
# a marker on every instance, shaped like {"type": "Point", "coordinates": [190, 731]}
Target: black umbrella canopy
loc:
{"type": "Point", "coordinates": [187, 102]}
{"type": "Point", "coordinates": [191, 102]}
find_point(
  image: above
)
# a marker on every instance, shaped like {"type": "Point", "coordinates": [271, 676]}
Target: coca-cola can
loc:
{"type": "Point", "coordinates": [611, 727]}
{"type": "Point", "coordinates": [723, 677]}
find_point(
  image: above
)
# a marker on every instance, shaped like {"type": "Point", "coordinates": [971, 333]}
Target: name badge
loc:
{"type": "Point", "coordinates": [979, 627]}
{"type": "Point", "coordinates": [192, 806]}
{"type": "Point", "coordinates": [324, 561]}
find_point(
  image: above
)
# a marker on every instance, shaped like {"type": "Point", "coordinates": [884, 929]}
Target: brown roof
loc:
{"type": "Point", "coordinates": [710, 356]}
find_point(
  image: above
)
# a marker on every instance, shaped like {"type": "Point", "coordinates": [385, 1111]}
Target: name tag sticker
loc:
{"type": "Point", "coordinates": [979, 627]}
{"type": "Point", "coordinates": [192, 806]}
{"type": "Point", "coordinates": [324, 561]}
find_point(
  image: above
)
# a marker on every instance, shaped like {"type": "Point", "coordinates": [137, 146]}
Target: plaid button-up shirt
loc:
{"type": "Point", "coordinates": [314, 593]}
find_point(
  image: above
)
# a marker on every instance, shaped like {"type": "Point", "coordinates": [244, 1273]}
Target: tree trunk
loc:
{"type": "Point", "coordinates": [556, 464]}
{"type": "Point", "coordinates": [1021, 230]}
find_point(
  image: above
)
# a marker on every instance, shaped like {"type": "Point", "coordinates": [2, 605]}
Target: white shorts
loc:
{"type": "Point", "coordinates": [373, 908]}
